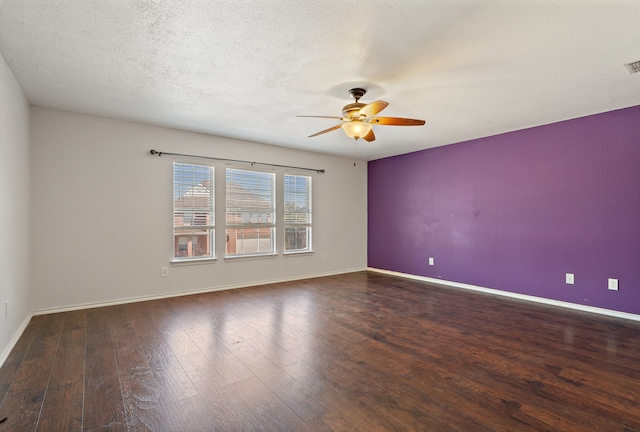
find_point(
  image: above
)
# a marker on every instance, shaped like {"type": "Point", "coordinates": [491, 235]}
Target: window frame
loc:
{"type": "Point", "coordinates": [197, 213]}
{"type": "Point", "coordinates": [252, 211]}
{"type": "Point", "coordinates": [307, 221]}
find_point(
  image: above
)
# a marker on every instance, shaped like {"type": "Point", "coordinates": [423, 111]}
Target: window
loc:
{"type": "Point", "coordinates": [250, 217]}
{"type": "Point", "coordinates": [193, 211]}
{"type": "Point", "coordinates": [297, 213]}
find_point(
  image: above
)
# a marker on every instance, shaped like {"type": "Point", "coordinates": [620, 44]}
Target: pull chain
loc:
{"type": "Point", "coordinates": [354, 151]}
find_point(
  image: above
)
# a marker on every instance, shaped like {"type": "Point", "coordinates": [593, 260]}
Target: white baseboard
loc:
{"type": "Point", "coordinates": [14, 339]}
{"type": "Point", "coordinates": [183, 293]}
{"type": "Point", "coordinates": [591, 309]}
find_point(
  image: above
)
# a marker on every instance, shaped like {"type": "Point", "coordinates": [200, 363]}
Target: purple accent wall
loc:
{"type": "Point", "coordinates": [517, 211]}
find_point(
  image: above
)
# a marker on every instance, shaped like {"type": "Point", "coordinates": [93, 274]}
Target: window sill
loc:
{"type": "Point", "coordinates": [197, 261]}
{"type": "Point", "coordinates": [297, 253]}
{"type": "Point", "coordinates": [250, 257]}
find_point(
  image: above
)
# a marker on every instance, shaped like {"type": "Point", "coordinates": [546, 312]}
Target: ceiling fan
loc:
{"type": "Point", "coordinates": [358, 118]}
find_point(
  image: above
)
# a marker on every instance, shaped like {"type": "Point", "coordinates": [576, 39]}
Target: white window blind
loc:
{"type": "Point", "coordinates": [297, 213]}
{"type": "Point", "coordinates": [250, 212]}
{"type": "Point", "coordinates": [193, 211]}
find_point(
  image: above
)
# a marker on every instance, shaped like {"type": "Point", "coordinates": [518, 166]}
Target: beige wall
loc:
{"type": "Point", "coordinates": [102, 212]}
{"type": "Point", "coordinates": [15, 237]}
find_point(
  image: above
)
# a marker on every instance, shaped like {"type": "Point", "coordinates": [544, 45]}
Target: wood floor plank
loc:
{"type": "Point", "coordinates": [298, 397]}
{"type": "Point", "coordinates": [103, 403]}
{"type": "Point", "coordinates": [191, 415]}
{"type": "Point", "coordinates": [267, 347]}
{"type": "Point", "coordinates": [331, 420]}
{"type": "Point", "coordinates": [274, 414]}
{"type": "Point", "coordinates": [230, 412]}
{"type": "Point", "coordinates": [335, 396]}
{"type": "Point", "coordinates": [174, 382]}
{"type": "Point", "coordinates": [140, 390]}
{"type": "Point", "coordinates": [23, 402]}
{"type": "Point", "coordinates": [201, 372]}
{"type": "Point", "coordinates": [62, 409]}
{"type": "Point", "coordinates": [11, 366]}
{"type": "Point", "coordinates": [214, 347]}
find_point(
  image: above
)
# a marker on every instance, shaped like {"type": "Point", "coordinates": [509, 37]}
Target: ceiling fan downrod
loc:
{"type": "Point", "coordinates": [357, 93]}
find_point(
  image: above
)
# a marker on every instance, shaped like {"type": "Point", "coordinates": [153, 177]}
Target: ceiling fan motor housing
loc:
{"type": "Point", "coordinates": [352, 110]}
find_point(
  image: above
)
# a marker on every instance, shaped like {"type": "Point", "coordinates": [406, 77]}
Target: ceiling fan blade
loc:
{"type": "Point", "coordinates": [331, 117]}
{"type": "Point", "coordinates": [325, 131]}
{"type": "Point", "coordinates": [373, 108]}
{"type": "Point", "coordinates": [395, 121]}
{"type": "Point", "coordinates": [370, 136]}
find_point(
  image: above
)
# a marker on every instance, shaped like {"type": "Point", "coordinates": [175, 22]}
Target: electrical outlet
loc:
{"type": "Point", "coordinates": [569, 278]}
{"type": "Point", "coordinates": [430, 261]}
{"type": "Point", "coordinates": [164, 271]}
{"type": "Point", "coordinates": [613, 284]}
{"type": "Point", "coordinates": [326, 257]}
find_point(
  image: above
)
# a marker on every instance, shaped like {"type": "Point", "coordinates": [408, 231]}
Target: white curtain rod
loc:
{"type": "Point", "coordinates": [154, 152]}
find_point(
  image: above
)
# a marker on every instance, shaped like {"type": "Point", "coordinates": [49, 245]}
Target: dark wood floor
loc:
{"type": "Point", "coordinates": [362, 351]}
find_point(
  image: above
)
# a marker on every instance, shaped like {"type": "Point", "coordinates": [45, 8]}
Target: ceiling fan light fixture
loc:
{"type": "Point", "coordinates": [356, 128]}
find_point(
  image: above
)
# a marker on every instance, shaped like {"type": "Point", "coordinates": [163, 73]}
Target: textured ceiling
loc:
{"type": "Point", "coordinates": [245, 69]}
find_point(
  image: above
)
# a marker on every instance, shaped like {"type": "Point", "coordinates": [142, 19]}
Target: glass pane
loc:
{"type": "Point", "coordinates": [191, 218]}
{"type": "Point", "coordinates": [193, 243]}
{"type": "Point", "coordinates": [297, 193]}
{"type": "Point", "coordinates": [193, 187]}
{"type": "Point", "coordinates": [297, 199]}
{"type": "Point", "coordinates": [250, 193]}
{"type": "Point", "coordinates": [250, 241]}
{"type": "Point", "coordinates": [301, 218]}
{"type": "Point", "coordinates": [297, 238]}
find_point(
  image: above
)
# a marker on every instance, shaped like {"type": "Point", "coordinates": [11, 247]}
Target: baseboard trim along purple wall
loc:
{"type": "Point", "coordinates": [518, 211]}
{"type": "Point", "coordinates": [566, 305]}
